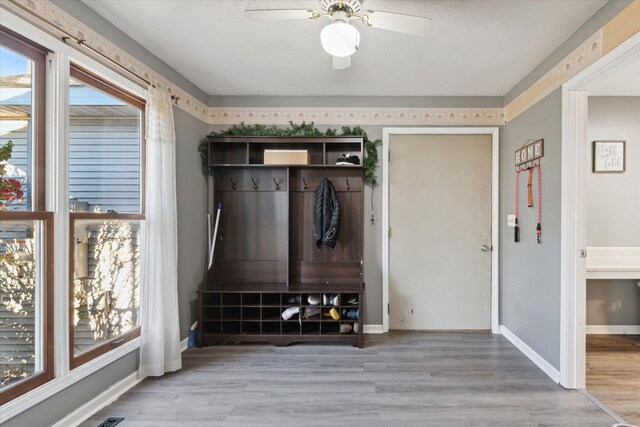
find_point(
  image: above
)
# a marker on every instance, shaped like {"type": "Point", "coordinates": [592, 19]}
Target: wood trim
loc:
{"type": "Point", "coordinates": [621, 27]}
{"type": "Point", "coordinates": [115, 342]}
{"type": "Point", "coordinates": [100, 216]}
{"type": "Point", "coordinates": [87, 77]}
{"type": "Point", "coordinates": [100, 349]}
{"type": "Point", "coordinates": [26, 216]}
{"type": "Point", "coordinates": [38, 55]}
{"type": "Point", "coordinates": [47, 307]}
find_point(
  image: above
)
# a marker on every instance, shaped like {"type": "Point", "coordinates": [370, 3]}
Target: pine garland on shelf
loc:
{"type": "Point", "coordinates": [369, 163]}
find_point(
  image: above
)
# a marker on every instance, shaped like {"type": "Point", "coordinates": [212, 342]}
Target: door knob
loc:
{"type": "Point", "coordinates": [484, 248]}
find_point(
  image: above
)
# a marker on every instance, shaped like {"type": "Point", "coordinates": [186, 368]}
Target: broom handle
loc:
{"type": "Point", "coordinates": [215, 234]}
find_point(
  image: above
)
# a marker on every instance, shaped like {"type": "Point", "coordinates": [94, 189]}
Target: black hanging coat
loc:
{"type": "Point", "coordinates": [326, 215]}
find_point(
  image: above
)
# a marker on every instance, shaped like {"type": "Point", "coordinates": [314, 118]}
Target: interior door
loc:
{"type": "Point", "coordinates": [440, 241]}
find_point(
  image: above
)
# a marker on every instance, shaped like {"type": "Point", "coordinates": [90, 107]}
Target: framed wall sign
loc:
{"type": "Point", "coordinates": [531, 151]}
{"type": "Point", "coordinates": [609, 156]}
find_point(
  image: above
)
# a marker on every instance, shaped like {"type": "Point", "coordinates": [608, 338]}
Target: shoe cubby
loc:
{"type": "Point", "coordinates": [231, 313]}
{"type": "Point", "coordinates": [230, 327]}
{"type": "Point", "coordinates": [250, 328]}
{"type": "Point", "coordinates": [251, 300]}
{"type": "Point", "coordinates": [266, 259]}
{"type": "Point", "coordinates": [211, 313]}
{"type": "Point", "coordinates": [271, 314]}
{"type": "Point", "coordinates": [310, 328]}
{"type": "Point", "coordinates": [335, 151]}
{"type": "Point", "coordinates": [252, 316]}
{"type": "Point", "coordinates": [251, 313]}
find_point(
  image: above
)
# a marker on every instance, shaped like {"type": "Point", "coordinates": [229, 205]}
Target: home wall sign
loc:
{"type": "Point", "coordinates": [527, 159]}
{"type": "Point", "coordinates": [609, 156]}
{"type": "Point", "coordinates": [530, 152]}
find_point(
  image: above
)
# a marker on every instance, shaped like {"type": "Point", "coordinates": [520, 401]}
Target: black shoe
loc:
{"type": "Point", "coordinates": [348, 159]}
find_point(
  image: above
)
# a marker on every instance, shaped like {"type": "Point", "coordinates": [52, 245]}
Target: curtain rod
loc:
{"type": "Point", "coordinates": [82, 42]}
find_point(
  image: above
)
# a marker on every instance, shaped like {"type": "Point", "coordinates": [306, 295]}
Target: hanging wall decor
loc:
{"type": "Point", "coordinates": [527, 159]}
{"type": "Point", "coordinates": [608, 156]}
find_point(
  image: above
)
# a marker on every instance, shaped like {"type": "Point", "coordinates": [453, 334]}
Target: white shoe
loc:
{"type": "Point", "coordinates": [289, 312]}
{"type": "Point", "coordinates": [313, 299]}
{"type": "Point", "coordinates": [345, 328]}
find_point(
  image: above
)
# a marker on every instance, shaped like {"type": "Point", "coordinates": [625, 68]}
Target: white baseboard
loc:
{"type": "Point", "coordinates": [613, 329]}
{"type": "Point", "coordinates": [105, 398]}
{"type": "Point", "coordinates": [373, 329]}
{"type": "Point", "coordinates": [546, 367]}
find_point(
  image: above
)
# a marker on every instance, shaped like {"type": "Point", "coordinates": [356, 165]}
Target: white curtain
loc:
{"type": "Point", "coordinates": [160, 351]}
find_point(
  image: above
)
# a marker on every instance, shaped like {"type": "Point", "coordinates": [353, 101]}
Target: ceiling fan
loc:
{"type": "Point", "coordinates": [341, 39]}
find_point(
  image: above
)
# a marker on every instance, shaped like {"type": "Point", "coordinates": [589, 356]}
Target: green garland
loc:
{"type": "Point", "coordinates": [370, 161]}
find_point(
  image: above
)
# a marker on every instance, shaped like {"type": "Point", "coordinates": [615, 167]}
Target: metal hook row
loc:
{"type": "Point", "coordinates": [306, 184]}
{"type": "Point", "coordinates": [234, 183]}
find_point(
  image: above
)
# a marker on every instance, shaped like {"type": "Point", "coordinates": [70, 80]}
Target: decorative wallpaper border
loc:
{"type": "Point", "coordinates": [357, 116]}
{"type": "Point", "coordinates": [584, 55]}
{"type": "Point", "coordinates": [47, 16]}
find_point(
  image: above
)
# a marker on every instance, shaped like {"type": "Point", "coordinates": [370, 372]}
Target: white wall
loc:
{"type": "Point", "coordinates": [613, 207]}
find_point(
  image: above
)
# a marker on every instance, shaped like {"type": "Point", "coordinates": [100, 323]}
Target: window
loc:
{"type": "Point", "coordinates": [26, 229]}
{"type": "Point", "coordinates": [106, 166]}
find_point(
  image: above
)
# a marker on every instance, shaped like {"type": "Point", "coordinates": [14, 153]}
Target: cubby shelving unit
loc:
{"type": "Point", "coordinates": [265, 253]}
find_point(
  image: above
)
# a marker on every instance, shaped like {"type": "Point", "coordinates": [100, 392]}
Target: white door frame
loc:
{"type": "Point", "coordinates": [573, 285]}
{"type": "Point", "coordinates": [495, 197]}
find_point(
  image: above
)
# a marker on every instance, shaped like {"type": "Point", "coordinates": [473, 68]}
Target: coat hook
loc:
{"type": "Point", "coordinates": [277, 183]}
{"type": "Point", "coordinates": [175, 99]}
{"type": "Point", "coordinates": [234, 184]}
{"type": "Point", "coordinates": [348, 186]}
{"type": "Point", "coordinates": [304, 181]}
{"type": "Point", "coordinates": [255, 183]}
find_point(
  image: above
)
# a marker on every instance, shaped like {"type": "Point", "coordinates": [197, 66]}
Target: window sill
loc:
{"type": "Point", "coordinates": [56, 385]}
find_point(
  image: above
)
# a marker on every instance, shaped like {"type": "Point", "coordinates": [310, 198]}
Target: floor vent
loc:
{"type": "Point", "coordinates": [110, 422]}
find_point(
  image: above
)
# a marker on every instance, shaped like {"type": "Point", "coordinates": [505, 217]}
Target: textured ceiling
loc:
{"type": "Point", "coordinates": [624, 82]}
{"type": "Point", "coordinates": [477, 47]}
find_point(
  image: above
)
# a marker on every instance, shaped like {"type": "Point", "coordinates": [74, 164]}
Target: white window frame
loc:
{"type": "Point", "coordinates": [57, 116]}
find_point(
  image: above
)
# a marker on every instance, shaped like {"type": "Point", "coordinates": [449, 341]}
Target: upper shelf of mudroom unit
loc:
{"type": "Point", "coordinates": [250, 150]}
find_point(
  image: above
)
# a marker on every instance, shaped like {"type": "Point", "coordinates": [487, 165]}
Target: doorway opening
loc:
{"type": "Point", "coordinates": [431, 171]}
{"type": "Point", "coordinates": [600, 336]}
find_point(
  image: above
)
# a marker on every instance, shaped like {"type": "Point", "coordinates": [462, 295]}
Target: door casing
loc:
{"type": "Point", "coordinates": [495, 196]}
{"type": "Point", "coordinates": [573, 283]}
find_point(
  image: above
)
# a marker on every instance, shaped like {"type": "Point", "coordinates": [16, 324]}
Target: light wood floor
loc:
{"type": "Point", "coordinates": [413, 379]}
{"type": "Point", "coordinates": [613, 373]}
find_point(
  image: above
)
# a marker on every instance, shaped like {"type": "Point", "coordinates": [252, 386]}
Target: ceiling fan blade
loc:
{"type": "Point", "coordinates": [408, 24]}
{"type": "Point", "coordinates": [280, 14]}
{"type": "Point", "coordinates": [341, 63]}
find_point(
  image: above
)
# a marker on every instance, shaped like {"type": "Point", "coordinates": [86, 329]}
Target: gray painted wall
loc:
{"type": "Point", "coordinates": [530, 272]}
{"type": "Point", "coordinates": [613, 302]}
{"type": "Point", "coordinates": [55, 408]}
{"type": "Point", "coordinates": [593, 24]}
{"type": "Point", "coordinates": [613, 203]}
{"type": "Point", "coordinates": [191, 187]}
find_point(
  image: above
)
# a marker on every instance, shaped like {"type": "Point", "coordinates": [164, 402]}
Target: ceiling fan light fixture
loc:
{"type": "Point", "coordinates": [340, 39]}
